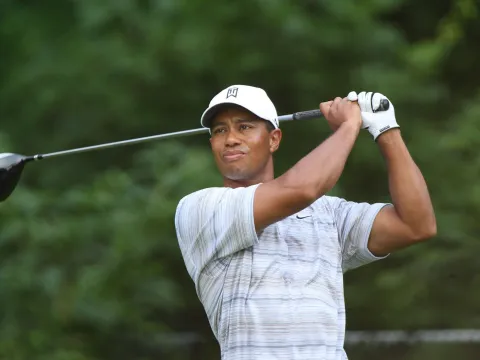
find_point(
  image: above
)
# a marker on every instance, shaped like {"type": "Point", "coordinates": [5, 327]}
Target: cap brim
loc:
{"type": "Point", "coordinates": [209, 114]}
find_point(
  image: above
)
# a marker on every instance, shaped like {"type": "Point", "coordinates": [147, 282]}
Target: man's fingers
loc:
{"type": "Point", "coordinates": [352, 96]}
{"type": "Point", "coordinates": [353, 102]}
{"type": "Point", "coordinates": [364, 100]}
{"type": "Point", "coordinates": [325, 107]}
{"type": "Point", "coordinates": [336, 103]}
{"type": "Point", "coordinates": [327, 103]}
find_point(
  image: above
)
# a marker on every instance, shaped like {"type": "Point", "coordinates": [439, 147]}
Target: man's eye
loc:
{"type": "Point", "coordinates": [244, 127]}
{"type": "Point", "coordinates": [218, 130]}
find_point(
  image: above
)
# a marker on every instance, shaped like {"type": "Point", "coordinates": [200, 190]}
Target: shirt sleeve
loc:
{"type": "Point", "coordinates": [354, 222]}
{"type": "Point", "coordinates": [214, 223]}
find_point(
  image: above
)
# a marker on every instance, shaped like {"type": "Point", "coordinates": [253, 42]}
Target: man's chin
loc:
{"type": "Point", "coordinates": [237, 175]}
{"type": "Point", "coordinates": [235, 172]}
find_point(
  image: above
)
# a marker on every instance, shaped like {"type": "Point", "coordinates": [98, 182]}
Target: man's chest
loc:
{"type": "Point", "coordinates": [306, 235]}
{"type": "Point", "coordinates": [301, 252]}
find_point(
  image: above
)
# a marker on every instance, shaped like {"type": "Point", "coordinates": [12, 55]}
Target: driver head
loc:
{"type": "Point", "coordinates": [11, 167]}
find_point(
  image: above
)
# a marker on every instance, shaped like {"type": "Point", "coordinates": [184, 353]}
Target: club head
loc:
{"type": "Point", "coordinates": [11, 167]}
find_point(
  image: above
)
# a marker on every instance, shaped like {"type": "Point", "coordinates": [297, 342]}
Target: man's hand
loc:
{"type": "Point", "coordinates": [339, 111]}
{"type": "Point", "coordinates": [375, 122]}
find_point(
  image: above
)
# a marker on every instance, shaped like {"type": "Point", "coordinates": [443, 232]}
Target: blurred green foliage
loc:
{"type": "Point", "coordinates": [90, 267]}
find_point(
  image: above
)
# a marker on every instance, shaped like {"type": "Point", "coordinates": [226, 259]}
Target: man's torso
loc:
{"type": "Point", "coordinates": [283, 297]}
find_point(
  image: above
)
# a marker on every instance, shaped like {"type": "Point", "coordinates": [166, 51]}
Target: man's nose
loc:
{"type": "Point", "coordinates": [232, 138]}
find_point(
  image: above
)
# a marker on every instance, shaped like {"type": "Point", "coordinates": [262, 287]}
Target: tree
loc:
{"type": "Point", "coordinates": [90, 264]}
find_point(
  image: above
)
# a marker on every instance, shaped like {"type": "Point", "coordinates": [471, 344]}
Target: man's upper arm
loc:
{"type": "Point", "coordinates": [354, 223]}
{"type": "Point", "coordinates": [214, 223]}
{"type": "Point", "coordinates": [275, 201]}
{"type": "Point", "coordinates": [389, 233]}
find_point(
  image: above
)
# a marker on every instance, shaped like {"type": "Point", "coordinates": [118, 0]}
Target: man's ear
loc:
{"type": "Point", "coordinates": [275, 138]}
{"type": "Point", "coordinates": [210, 134]}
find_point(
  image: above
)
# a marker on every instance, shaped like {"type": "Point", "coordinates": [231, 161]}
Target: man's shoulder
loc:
{"type": "Point", "coordinates": [205, 199]}
{"type": "Point", "coordinates": [325, 203]}
{"type": "Point", "coordinates": [195, 197]}
{"type": "Point", "coordinates": [213, 193]}
{"type": "Point", "coordinates": [201, 193]}
{"type": "Point", "coordinates": [192, 205]}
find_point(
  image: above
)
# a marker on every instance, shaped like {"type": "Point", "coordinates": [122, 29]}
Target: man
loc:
{"type": "Point", "coordinates": [267, 255]}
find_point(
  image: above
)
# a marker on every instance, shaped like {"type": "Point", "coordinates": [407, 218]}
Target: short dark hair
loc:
{"type": "Point", "coordinates": [269, 126]}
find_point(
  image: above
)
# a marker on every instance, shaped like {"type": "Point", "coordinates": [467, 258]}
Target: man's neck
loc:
{"type": "Point", "coordinates": [265, 175]}
{"type": "Point", "coordinates": [247, 182]}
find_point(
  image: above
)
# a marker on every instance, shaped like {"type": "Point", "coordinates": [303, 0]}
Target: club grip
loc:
{"type": "Point", "coordinates": [313, 114]}
{"type": "Point", "coordinates": [306, 115]}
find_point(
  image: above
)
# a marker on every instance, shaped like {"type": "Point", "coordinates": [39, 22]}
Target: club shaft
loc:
{"type": "Point", "coordinates": [303, 115]}
{"type": "Point", "coordinates": [123, 143]}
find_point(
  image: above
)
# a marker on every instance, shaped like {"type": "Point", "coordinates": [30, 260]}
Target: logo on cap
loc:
{"type": "Point", "coordinates": [232, 92]}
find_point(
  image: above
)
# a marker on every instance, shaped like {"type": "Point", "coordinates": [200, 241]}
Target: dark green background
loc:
{"type": "Point", "coordinates": [90, 268]}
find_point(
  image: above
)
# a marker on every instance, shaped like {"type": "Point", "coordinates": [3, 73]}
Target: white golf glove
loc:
{"type": "Point", "coordinates": [376, 122]}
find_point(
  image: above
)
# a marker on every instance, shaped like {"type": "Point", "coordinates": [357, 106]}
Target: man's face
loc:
{"type": "Point", "coordinates": [241, 143]}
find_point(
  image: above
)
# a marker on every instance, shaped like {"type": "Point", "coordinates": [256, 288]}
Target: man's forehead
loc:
{"type": "Point", "coordinates": [233, 113]}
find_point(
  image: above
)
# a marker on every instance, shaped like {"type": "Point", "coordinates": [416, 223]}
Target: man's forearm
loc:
{"type": "Point", "coordinates": [407, 186]}
{"type": "Point", "coordinates": [319, 171]}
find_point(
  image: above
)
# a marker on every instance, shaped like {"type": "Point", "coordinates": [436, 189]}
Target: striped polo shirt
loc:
{"type": "Point", "coordinates": [278, 293]}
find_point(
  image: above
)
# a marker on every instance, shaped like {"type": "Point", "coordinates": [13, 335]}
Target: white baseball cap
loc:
{"type": "Point", "coordinates": [250, 98]}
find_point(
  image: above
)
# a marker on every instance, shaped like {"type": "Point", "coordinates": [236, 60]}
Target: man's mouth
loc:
{"type": "Point", "coordinates": [233, 155]}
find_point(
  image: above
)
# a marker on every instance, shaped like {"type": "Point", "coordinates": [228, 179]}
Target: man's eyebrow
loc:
{"type": "Point", "coordinates": [245, 120]}
{"type": "Point", "coordinates": [218, 123]}
{"type": "Point", "coordinates": [236, 120]}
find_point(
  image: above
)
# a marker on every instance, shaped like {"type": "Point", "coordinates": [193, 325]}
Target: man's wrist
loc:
{"type": "Point", "coordinates": [353, 123]}
{"type": "Point", "coordinates": [389, 137]}
{"type": "Point", "coordinates": [350, 129]}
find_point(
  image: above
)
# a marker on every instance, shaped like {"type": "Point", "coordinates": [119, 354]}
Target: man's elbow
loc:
{"type": "Point", "coordinates": [427, 231]}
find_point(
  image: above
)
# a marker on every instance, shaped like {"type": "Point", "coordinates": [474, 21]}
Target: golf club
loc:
{"type": "Point", "coordinates": [12, 165]}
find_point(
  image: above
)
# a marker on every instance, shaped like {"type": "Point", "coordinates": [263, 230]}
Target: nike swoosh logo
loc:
{"type": "Point", "coordinates": [303, 217]}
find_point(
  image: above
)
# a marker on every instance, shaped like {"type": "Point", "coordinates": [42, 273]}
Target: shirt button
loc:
{"type": "Point", "coordinates": [288, 278]}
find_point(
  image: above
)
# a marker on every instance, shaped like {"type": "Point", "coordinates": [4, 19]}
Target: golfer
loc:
{"type": "Point", "coordinates": [267, 255]}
